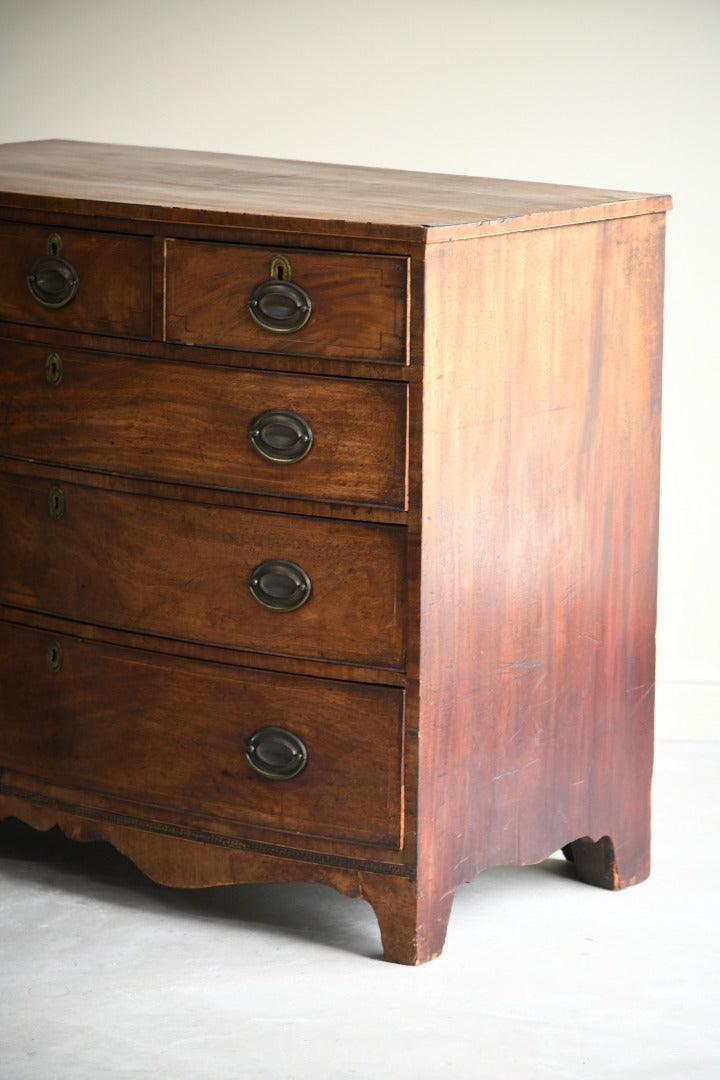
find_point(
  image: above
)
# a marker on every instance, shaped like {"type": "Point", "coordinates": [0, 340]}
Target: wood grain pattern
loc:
{"type": "Point", "coordinates": [267, 193]}
{"type": "Point", "coordinates": [358, 301]}
{"type": "Point", "coordinates": [182, 570]}
{"type": "Point", "coordinates": [540, 488]}
{"type": "Point", "coordinates": [180, 736]}
{"type": "Point", "coordinates": [474, 670]}
{"type": "Point", "coordinates": [114, 294]}
{"type": "Point", "coordinates": [183, 422]}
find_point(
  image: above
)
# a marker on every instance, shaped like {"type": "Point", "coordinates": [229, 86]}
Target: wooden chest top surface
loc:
{"type": "Point", "coordinates": [294, 196]}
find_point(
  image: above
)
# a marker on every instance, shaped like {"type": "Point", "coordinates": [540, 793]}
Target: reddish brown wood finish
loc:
{"type": "Point", "coordinates": [156, 184]}
{"type": "Point", "coordinates": [113, 295]}
{"type": "Point", "coordinates": [179, 738]}
{"type": "Point", "coordinates": [182, 570]}
{"type": "Point", "coordinates": [539, 528]}
{"type": "Point", "coordinates": [184, 422]}
{"type": "Point", "coordinates": [358, 301]}
{"type": "Point", "coordinates": [490, 556]}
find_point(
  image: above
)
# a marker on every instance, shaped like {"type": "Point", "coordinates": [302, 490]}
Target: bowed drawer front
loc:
{"type": "Point", "coordinates": [349, 785]}
{"type": "Point", "coordinates": [335, 439]}
{"type": "Point", "coordinates": [276, 583]}
{"type": "Point", "coordinates": [328, 521]}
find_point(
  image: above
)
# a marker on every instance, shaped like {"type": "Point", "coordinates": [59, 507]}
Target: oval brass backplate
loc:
{"type": "Point", "coordinates": [276, 753]}
{"type": "Point", "coordinates": [281, 436]}
{"type": "Point", "coordinates": [280, 585]}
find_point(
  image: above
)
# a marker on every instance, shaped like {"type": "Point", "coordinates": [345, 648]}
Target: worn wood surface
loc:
{"type": "Point", "coordinates": [184, 422]}
{"type": "Point", "coordinates": [185, 863]}
{"type": "Point", "coordinates": [266, 193]}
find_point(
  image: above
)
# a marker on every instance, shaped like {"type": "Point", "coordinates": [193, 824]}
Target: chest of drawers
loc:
{"type": "Point", "coordinates": [328, 521]}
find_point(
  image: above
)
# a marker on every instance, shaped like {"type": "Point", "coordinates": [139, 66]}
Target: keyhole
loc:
{"type": "Point", "coordinates": [54, 656]}
{"type": "Point", "coordinates": [280, 269]}
{"type": "Point", "coordinates": [56, 503]}
{"type": "Point", "coordinates": [54, 244]}
{"type": "Point", "coordinates": [53, 369]}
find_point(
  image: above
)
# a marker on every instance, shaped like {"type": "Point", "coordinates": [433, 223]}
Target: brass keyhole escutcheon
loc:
{"type": "Point", "coordinates": [54, 656]}
{"type": "Point", "coordinates": [280, 268]}
{"type": "Point", "coordinates": [56, 503]}
{"type": "Point", "coordinates": [54, 369]}
{"type": "Point", "coordinates": [54, 244]}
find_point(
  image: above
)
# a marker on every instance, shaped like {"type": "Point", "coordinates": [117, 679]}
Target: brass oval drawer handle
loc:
{"type": "Point", "coordinates": [280, 585]}
{"type": "Point", "coordinates": [280, 306]}
{"type": "Point", "coordinates": [281, 436]}
{"type": "Point", "coordinates": [53, 281]}
{"type": "Point", "coordinates": [276, 753]}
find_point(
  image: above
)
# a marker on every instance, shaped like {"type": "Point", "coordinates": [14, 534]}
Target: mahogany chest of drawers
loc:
{"type": "Point", "coordinates": [328, 521]}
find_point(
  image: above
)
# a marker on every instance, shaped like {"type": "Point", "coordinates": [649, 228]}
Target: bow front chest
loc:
{"type": "Point", "coordinates": [328, 521]}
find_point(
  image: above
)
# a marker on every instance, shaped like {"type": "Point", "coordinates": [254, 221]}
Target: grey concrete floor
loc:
{"type": "Point", "coordinates": [105, 974]}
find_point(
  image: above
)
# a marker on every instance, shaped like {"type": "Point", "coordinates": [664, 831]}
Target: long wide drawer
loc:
{"type": "Point", "coordinates": [169, 732]}
{"type": "Point", "coordinates": [356, 305]}
{"type": "Point", "coordinates": [186, 570]}
{"type": "Point", "coordinates": [196, 423]}
{"type": "Point", "coordinates": [86, 281]}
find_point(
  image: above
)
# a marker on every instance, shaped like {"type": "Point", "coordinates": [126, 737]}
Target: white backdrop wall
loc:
{"type": "Point", "coordinates": [623, 94]}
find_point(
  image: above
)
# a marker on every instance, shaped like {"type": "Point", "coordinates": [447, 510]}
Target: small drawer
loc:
{"type": "Point", "coordinates": [355, 305]}
{"type": "Point", "coordinates": [127, 724]}
{"type": "Point", "coordinates": [74, 280]}
{"type": "Point", "coordinates": [205, 573]}
{"type": "Point", "coordinates": [341, 440]}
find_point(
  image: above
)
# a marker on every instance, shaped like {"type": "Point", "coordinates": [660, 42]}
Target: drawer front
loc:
{"type": "Point", "coordinates": [192, 423]}
{"type": "Point", "coordinates": [184, 570]}
{"type": "Point", "coordinates": [113, 275]}
{"type": "Point", "coordinates": [358, 302]}
{"type": "Point", "coordinates": [169, 732]}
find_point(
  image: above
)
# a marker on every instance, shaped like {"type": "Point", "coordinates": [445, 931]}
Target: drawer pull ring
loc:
{"type": "Point", "coordinates": [52, 281]}
{"type": "Point", "coordinates": [276, 753]}
{"type": "Point", "coordinates": [278, 304]}
{"type": "Point", "coordinates": [281, 436]}
{"type": "Point", "coordinates": [280, 585]}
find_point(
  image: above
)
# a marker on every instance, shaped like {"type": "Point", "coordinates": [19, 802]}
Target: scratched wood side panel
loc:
{"type": "Point", "coordinates": [541, 439]}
